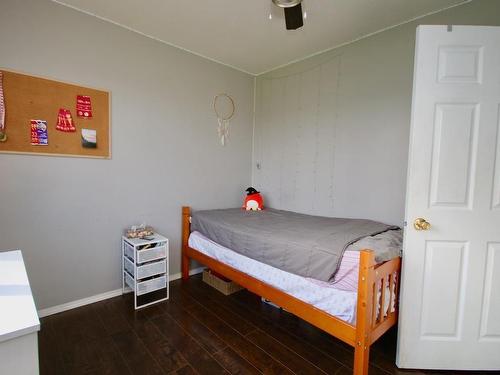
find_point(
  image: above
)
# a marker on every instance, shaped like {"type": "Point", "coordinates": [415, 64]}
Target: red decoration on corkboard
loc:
{"type": "Point", "coordinates": [83, 106]}
{"type": "Point", "coordinates": [65, 121]}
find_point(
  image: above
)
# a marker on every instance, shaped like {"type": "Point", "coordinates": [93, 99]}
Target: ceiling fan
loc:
{"type": "Point", "coordinates": [293, 13]}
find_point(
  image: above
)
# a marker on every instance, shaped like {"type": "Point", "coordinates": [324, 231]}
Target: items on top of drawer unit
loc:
{"type": "Point", "coordinates": [140, 231]}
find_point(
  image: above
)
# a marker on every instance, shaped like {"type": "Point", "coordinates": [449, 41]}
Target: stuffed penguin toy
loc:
{"type": "Point", "coordinates": [253, 200]}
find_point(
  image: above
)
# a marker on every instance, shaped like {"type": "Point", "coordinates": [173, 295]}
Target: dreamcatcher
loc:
{"type": "Point", "coordinates": [224, 112]}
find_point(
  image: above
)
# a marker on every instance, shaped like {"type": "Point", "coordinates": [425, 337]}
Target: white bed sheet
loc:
{"type": "Point", "coordinates": [324, 296]}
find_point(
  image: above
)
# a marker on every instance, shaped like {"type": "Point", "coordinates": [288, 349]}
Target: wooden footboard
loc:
{"type": "Point", "coordinates": [378, 295]}
{"type": "Point", "coordinates": [377, 305]}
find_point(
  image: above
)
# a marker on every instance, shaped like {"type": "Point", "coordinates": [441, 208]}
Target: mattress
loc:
{"type": "Point", "coordinates": [308, 246]}
{"type": "Point", "coordinates": [323, 295]}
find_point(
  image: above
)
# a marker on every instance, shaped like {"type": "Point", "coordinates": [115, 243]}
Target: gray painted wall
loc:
{"type": "Point", "coordinates": [331, 131]}
{"type": "Point", "coordinates": [67, 214]}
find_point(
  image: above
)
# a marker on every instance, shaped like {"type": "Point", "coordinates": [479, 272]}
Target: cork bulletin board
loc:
{"type": "Point", "coordinates": [30, 98]}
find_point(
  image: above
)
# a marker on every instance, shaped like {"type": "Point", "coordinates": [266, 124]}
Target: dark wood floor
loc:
{"type": "Point", "coordinates": [200, 331]}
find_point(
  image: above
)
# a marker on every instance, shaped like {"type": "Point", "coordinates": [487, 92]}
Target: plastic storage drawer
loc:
{"type": "Point", "coordinates": [129, 280]}
{"type": "Point", "coordinates": [151, 285]}
{"type": "Point", "coordinates": [147, 255]}
{"type": "Point", "coordinates": [128, 250]}
{"type": "Point", "coordinates": [146, 270]}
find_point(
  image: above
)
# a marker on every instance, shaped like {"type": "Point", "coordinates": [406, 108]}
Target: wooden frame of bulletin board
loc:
{"type": "Point", "coordinates": [33, 98]}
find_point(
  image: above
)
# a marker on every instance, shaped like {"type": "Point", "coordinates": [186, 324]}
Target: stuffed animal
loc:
{"type": "Point", "coordinates": [253, 200]}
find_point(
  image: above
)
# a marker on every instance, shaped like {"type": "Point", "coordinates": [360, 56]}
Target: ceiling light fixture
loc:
{"type": "Point", "coordinates": [293, 13]}
{"type": "Point", "coordinates": [287, 3]}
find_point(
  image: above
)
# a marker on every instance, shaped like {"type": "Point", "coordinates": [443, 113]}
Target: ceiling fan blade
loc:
{"type": "Point", "coordinates": [293, 17]}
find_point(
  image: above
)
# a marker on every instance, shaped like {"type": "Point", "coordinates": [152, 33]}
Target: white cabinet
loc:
{"type": "Point", "coordinates": [145, 269]}
{"type": "Point", "coordinates": [19, 324]}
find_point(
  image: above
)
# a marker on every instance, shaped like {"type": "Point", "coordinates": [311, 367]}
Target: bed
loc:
{"type": "Point", "coordinates": [358, 316]}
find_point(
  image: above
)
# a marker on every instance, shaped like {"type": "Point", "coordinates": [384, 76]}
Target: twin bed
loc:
{"type": "Point", "coordinates": [341, 275]}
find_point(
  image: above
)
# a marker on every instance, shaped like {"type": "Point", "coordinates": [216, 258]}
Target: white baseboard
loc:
{"type": "Point", "coordinates": [80, 302]}
{"type": "Point", "coordinates": [100, 297]}
{"type": "Point", "coordinates": [194, 271]}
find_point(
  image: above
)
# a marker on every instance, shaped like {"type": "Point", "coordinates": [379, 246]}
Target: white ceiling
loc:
{"type": "Point", "coordinates": [239, 33]}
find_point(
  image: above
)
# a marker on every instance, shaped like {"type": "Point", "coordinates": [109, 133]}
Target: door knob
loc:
{"type": "Point", "coordinates": [421, 224]}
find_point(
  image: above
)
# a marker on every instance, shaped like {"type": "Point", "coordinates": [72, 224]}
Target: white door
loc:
{"type": "Point", "coordinates": [450, 296]}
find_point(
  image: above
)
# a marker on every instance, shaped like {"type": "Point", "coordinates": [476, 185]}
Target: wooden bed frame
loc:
{"type": "Point", "coordinates": [372, 285]}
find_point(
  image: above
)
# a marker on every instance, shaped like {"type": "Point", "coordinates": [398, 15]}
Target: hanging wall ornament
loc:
{"type": "Point", "coordinates": [224, 113]}
{"type": "Point", "coordinates": [3, 135]}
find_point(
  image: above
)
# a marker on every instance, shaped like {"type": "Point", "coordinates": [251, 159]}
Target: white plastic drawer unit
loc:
{"type": "Point", "coordinates": [151, 285]}
{"type": "Point", "coordinates": [146, 254]}
{"type": "Point", "coordinates": [146, 270]}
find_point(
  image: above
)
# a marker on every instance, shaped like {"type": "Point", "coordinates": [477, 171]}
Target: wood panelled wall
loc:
{"type": "Point", "coordinates": [295, 139]}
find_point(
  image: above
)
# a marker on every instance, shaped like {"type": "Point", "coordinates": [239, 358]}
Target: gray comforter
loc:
{"type": "Point", "coordinates": [309, 246]}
